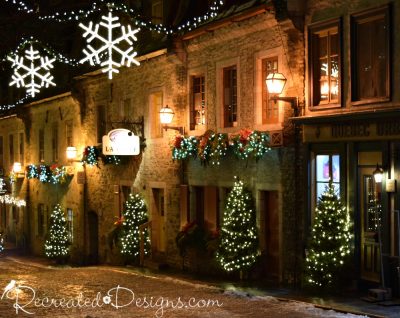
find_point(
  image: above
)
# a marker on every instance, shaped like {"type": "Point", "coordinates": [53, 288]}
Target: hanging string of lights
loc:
{"type": "Point", "coordinates": [46, 49]}
{"type": "Point", "coordinates": [97, 6]}
{"type": "Point", "coordinates": [22, 6]}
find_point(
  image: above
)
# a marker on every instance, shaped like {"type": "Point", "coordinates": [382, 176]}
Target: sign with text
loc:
{"type": "Point", "coordinates": [121, 142]}
{"type": "Point", "coordinates": [352, 131]}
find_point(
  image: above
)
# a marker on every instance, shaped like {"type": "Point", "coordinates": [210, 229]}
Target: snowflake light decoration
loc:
{"type": "Point", "coordinates": [28, 75]}
{"type": "Point", "coordinates": [108, 45]}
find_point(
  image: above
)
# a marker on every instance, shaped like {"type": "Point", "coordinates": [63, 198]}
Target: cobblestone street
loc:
{"type": "Point", "coordinates": [91, 292]}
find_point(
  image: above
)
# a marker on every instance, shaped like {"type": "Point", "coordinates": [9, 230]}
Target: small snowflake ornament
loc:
{"type": "Point", "coordinates": [109, 47]}
{"type": "Point", "coordinates": [34, 74]}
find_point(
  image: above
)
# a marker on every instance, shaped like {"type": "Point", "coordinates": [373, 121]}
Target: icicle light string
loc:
{"type": "Point", "coordinates": [97, 6]}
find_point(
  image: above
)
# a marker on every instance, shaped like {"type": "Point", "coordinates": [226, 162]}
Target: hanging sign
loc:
{"type": "Point", "coordinates": [121, 142]}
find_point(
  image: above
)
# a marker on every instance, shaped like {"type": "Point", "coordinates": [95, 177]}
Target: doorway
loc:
{"type": "Point", "coordinates": [158, 221]}
{"type": "Point", "coordinates": [270, 234]}
{"type": "Point", "coordinates": [370, 213]}
{"type": "Point", "coordinates": [93, 256]}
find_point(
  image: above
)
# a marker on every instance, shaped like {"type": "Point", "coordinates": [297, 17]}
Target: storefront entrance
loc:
{"type": "Point", "coordinates": [370, 209]}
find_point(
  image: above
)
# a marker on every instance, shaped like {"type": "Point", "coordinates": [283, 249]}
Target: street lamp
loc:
{"type": "Point", "coordinates": [378, 174]}
{"type": "Point", "coordinates": [17, 167]}
{"type": "Point", "coordinates": [71, 153]}
{"type": "Point", "coordinates": [166, 116]}
{"type": "Point", "coordinates": [275, 83]}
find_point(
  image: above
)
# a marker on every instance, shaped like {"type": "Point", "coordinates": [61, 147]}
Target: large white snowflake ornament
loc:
{"type": "Point", "coordinates": [104, 54]}
{"type": "Point", "coordinates": [34, 74]}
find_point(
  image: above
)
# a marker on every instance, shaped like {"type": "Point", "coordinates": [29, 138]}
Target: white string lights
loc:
{"type": "Point", "coordinates": [22, 6]}
{"type": "Point", "coordinates": [8, 199]}
{"type": "Point", "coordinates": [97, 6]}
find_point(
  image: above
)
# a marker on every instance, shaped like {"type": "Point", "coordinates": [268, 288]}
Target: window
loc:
{"type": "Point", "coordinates": [230, 96]}
{"type": "Point", "coordinates": [156, 101]}
{"type": "Point", "coordinates": [11, 148]}
{"type": "Point", "coordinates": [41, 145]}
{"type": "Point", "coordinates": [197, 102]}
{"type": "Point", "coordinates": [270, 109]}
{"type": "Point", "coordinates": [370, 56]}
{"type": "Point", "coordinates": [54, 144]}
{"type": "Point", "coordinates": [327, 168]}
{"type": "Point", "coordinates": [70, 224]}
{"type": "Point", "coordinates": [1, 152]}
{"type": "Point", "coordinates": [68, 133]}
{"type": "Point", "coordinates": [325, 64]}
{"type": "Point", "coordinates": [40, 219]}
{"type": "Point", "coordinates": [21, 148]}
{"type": "Point", "coordinates": [101, 123]}
{"type": "Point", "coordinates": [157, 11]}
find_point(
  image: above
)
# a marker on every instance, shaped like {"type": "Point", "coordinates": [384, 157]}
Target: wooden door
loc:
{"type": "Point", "coordinates": [369, 199]}
{"type": "Point", "coordinates": [158, 220]}
{"type": "Point", "coordinates": [93, 220]}
{"type": "Point", "coordinates": [270, 233]}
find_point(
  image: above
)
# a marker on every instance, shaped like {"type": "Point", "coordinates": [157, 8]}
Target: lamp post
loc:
{"type": "Point", "coordinates": [166, 116]}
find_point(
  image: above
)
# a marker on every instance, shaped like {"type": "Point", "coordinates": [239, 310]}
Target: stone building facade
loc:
{"type": "Point", "coordinates": [219, 63]}
{"type": "Point", "coordinates": [350, 124]}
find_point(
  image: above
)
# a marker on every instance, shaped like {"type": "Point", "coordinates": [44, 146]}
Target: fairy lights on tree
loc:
{"type": "Point", "coordinates": [57, 242]}
{"type": "Point", "coordinates": [330, 240]}
{"type": "Point", "coordinates": [134, 215]}
{"type": "Point", "coordinates": [239, 246]}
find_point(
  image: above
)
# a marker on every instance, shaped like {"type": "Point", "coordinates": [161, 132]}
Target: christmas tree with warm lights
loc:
{"type": "Point", "coordinates": [238, 248]}
{"type": "Point", "coordinates": [134, 215]}
{"type": "Point", "coordinates": [329, 245]}
{"type": "Point", "coordinates": [57, 242]}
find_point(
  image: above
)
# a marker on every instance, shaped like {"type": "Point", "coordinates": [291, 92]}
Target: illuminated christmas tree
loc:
{"type": "Point", "coordinates": [330, 240]}
{"type": "Point", "coordinates": [134, 215]}
{"type": "Point", "coordinates": [57, 242]}
{"type": "Point", "coordinates": [238, 248]}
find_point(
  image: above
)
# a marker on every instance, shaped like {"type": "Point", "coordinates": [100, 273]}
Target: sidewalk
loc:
{"type": "Point", "coordinates": [351, 303]}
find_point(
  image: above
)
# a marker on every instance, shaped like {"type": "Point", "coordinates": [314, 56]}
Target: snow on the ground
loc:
{"type": "Point", "coordinates": [296, 306]}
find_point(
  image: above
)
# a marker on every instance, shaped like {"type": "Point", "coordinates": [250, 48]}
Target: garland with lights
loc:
{"type": "Point", "coordinates": [8, 199]}
{"type": "Point", "coordinates": [98, 6]}
{"type": "Point", "coordinates": [134, 214]}
{"type": "Point", "coordinates": [330, 240]}
{"type": "Point", "coordinates": [57, 243]}
{"type": "Point", "coordinates": [54, 174]}
{"type": "Point", "coordinates": [91, 155]}
{"type": "Point", "coordinates": [184, 147]}
{"type": "Point", "coordinates": [239, 247]}
{"type": "Point", "coordinates": [250, 143]}
{"type": "Point", "coordinates": [211, 147]}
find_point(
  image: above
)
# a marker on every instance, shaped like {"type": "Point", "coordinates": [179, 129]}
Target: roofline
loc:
{"type": "Point", "coordinates": [49, 99]}
{"type": "Point", "coordinates": [140, 58]}
{"type": "Point", "coordinates": [212, 26]}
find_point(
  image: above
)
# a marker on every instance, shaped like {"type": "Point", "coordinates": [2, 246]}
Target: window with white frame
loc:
{"type": "Point", "coordinates": [230, 100]}
{"type": "Point", "coordinates": [197, 102]}
{"type": "Point", "coordinates": [270, 109]}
